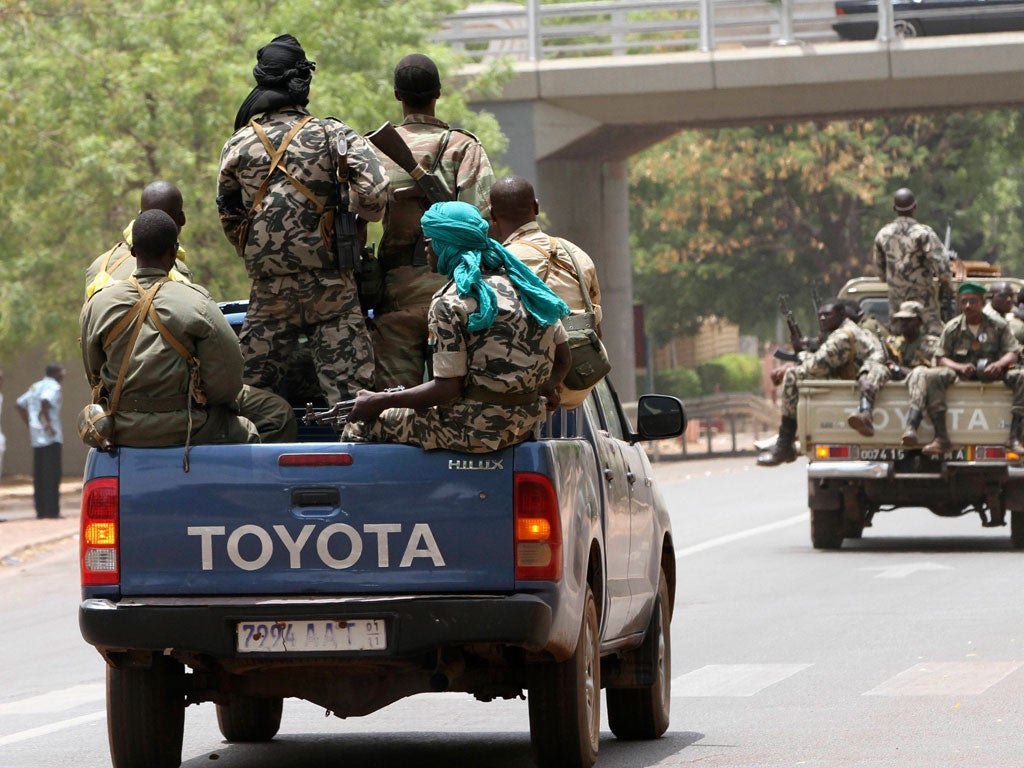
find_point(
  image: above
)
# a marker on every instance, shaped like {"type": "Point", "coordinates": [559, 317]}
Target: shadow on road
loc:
{"type": "Point", "coordinates": [424, 750]}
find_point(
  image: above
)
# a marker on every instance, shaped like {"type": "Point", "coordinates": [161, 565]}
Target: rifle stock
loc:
{"type": "Point", "coordinates": [390, 142]}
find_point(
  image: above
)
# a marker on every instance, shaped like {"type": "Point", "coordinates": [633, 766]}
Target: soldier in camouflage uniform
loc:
{"type": "Point", "coordinates": [514, 208]}
{"type": "Point", "coordinates": [972, 346]}
{"type": "Point", "coordinates": [848, 352]}
{"type": "Point", "coordinates": [905, 350]}
{"type": "Point", "coordinates": [166, 399]}
{"type": "Point", "coordinates": [910, 258]}
{"type": "Point", "coordinates": [499, 348]}
{"type": "Point", "coordinates": [118, 263]}
{"type": "Point", "coordinates": [279, 215]}
{"type": "Point", "coordinates": [1001, 302]}
{"type": "Point", "coordinates": [457, 158]}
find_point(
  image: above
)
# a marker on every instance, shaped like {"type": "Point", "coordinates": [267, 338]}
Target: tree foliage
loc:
{"type": "Point", "coordinates": [100, 97]}
{"type": "Point", "coordinates": [725, 220]}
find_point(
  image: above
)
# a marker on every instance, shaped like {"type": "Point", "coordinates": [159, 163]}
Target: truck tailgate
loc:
{"type": "Point", "coordinates": [246, 519]}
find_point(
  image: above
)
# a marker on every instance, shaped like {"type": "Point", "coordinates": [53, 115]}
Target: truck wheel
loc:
{"type": "Point", "coordinates": [250, 718]}
{"type": "Point", "coordinates": [565, 701]}
{"type": "Point", "coordinates": [643, 713]}
{"type": "Point", "coordinates": [827, 528]}
{"type": "Point", "coordinates": [1017, 528]}
{"type": "Point", "coordinates": [146, 714]}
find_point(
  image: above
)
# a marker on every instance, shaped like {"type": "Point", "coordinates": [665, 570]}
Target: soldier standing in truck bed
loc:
{"type": "Point", "coordinates": [909, 257]}
{"type": "Point", "coordinates": [279, 193]}
{"type": "Point", "coordinates": [459, 160]}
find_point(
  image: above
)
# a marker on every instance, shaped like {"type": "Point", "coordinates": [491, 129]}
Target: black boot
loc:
{"type": "Point", "coordinates": [862, 421]}
{"type": "Point", "coordinates": [1013, 442]}
{"type": "Point", "coordinates": [940, 444]}
{"type": "Point", "coordinates": [784, 450]}
{"type": "Point", "coordinates": [910, 439]}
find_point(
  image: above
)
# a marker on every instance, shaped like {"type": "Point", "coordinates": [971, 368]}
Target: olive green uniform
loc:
{"type": "Point", "coordinates": [153, 408]}
{"type": "Point", "coordinates": [994, 339]}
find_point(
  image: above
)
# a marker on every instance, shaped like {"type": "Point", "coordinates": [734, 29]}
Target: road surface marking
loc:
{"type": "Point", "coordinates": [729, 538]}
{"type": "Point", "coordinates": [733, 679]}
{"type": "Point", "coordinates": [946, 678]}
{"type": "Point", "coordinates": [44, 730]}
{"type": "Point", "coordinates": [55, 701]}
{"type": "Point", "coordinates": [902, 570]}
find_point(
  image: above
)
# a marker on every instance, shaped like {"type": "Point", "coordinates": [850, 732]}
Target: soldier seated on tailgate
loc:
{"type": "Point", "coordinates": [905, 350]}
{"type": "Point", "coordinates": [973, 346]}
{"type": "Point", "coordinates": [848, 352]}
{"type": "Point", "coordinates": [498, 348]}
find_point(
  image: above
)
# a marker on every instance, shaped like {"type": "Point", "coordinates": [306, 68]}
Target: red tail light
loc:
{"type": "Point", "coordinates": [538, 528]}
{"type": "Point", "coordinates": [99, 540]}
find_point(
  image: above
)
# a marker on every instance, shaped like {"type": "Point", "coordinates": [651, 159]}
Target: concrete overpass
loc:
{"type": "Point", "coordinates": [574, 122]}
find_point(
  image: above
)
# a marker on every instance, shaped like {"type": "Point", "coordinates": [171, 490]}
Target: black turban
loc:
{"type": "Point", "coordinates": [282, 75]}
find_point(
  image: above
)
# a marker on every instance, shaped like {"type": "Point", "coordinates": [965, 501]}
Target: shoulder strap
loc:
{"type": "Point", "coordinates": [276, 163]}
{"type": "Point", "coordinates": [579, 276]}
{"type": "Point", "coordinates": [548, 255]}
{"type": "Point", "coordinates": [109, 268]}
{"type": "Point", "coordinates": [136, 314]}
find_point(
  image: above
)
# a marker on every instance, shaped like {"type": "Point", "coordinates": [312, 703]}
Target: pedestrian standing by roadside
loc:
{"type": "Point", "coordinates": [40, 409]}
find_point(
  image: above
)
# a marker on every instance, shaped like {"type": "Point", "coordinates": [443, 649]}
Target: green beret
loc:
{"type": "Point", "coordinates": [970, 287]}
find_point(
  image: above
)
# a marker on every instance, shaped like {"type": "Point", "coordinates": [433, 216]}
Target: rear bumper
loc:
{"type": "Point", "coordinates": [415, 624]}
{"type": "Point", "coordinates": [851, 470]}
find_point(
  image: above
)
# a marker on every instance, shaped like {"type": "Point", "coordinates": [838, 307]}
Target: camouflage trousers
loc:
{"type": "Point", "coordinates": [320, 309]}
{"type": "Point", "coordinates": [271, 414]}
{"type": "Point", "coordinates": [464, 425]}
{"type": "Point", "coordinates": [931, 319]}
{"type": "Point", "coordinates": [400, 329]}
{"type": "Point", "coordinates": [927, 388]}
{"type": "Point", "coordinates": [872, 377]}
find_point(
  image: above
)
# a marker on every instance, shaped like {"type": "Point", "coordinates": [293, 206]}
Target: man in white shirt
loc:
{"type": "Point", "coordinates": [40, 409]}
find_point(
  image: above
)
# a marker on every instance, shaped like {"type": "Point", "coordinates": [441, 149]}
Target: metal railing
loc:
{"type": "Point", "coordinates": [532, 30]}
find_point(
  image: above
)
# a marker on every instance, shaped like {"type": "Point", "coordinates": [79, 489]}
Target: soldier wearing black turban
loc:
{"type": "Point", "coordinates": [283, 74]}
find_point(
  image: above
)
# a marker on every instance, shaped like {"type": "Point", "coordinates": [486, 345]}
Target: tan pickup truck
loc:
{"type": "Point", "coordinates": [851, 478]}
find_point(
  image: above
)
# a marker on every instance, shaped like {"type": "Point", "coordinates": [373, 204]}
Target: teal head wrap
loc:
{"type": "Point", "coordinates": [459, 238]}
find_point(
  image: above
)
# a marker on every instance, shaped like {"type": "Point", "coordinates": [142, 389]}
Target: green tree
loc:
{"type": "Point", "coordinates": [100, 97]}
{"type": "Point", "coordinates": [725, 220]}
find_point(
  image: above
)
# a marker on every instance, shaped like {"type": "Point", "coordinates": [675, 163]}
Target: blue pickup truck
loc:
{"type": "Point", "coordinates": [353, 575]}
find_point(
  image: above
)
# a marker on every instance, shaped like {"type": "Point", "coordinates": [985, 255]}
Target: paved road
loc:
{"type": "Point", "coordinates": [904, 649]}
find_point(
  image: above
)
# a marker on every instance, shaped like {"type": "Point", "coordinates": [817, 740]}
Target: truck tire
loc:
{"type": "Point", "coordinates": [250, 718]}
{"type": "Point", "coordinates": [1017, 528]}
{"type": "Point", "coordinates": [643, 713]}
{"type": "Point", "coordinates": [827, 528]}
{"type": "Point", "coordinates": [146, 714]}
{"type": "Point", "coordinates": [565, 701]}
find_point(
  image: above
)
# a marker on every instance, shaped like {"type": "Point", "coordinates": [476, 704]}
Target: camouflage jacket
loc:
{"type": "Point", "coordinates": [153, 408]}
{"type": "Point", "coordinates": [514, 355]}
{"type": "Point", "coordinates": [464, 168]}
{"type": "Point", "coordinates": [994, 340]}
{"type": "Point", "coordinates": [846, 351]}
{"type": "Point", "coordinates": [289, 234]}
{"type": "Point", "coordinates": [908, 256]}
{"type": "Point", "coordinates": [912, 354]}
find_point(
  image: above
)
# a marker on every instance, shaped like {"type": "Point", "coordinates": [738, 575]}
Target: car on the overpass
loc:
{"type": "Point", "coordinates": [858, 19]}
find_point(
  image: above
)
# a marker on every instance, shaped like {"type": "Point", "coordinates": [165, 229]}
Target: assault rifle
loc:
{"type": "Point", "coordinates": [795, 337]}
{"type": "Point", "coordinates": [337, 414]}
{"type": "Point", "coordinates": [428, 184]}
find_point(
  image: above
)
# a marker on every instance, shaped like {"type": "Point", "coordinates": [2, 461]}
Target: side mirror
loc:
{"type": "Point", "coordinates": [659, 417]}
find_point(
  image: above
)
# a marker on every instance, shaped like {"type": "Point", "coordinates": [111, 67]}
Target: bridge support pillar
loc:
{"type": "Point", "coordinates": [587, 202]}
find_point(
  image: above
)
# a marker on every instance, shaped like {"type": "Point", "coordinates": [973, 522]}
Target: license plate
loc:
{"type": "Point", "coordinates": [899, 454]}
{"type": "Point", "coordinates": [312, 636]}
{"type": "Point", "coordinates": [883, 454]}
